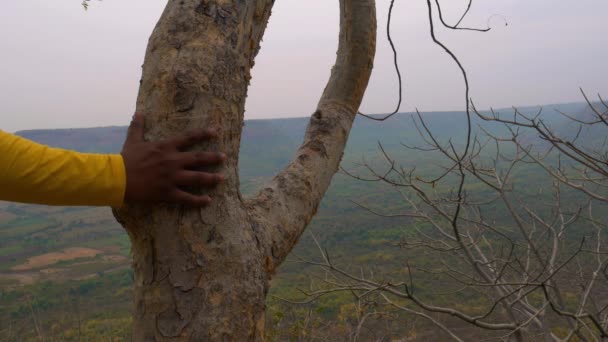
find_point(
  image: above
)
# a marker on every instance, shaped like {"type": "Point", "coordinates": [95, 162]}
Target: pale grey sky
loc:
{"type": "Point", "coordinates": [63, 67]}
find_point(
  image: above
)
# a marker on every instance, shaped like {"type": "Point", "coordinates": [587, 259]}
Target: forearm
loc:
{"type": "Point", "coordinates": [34, 173]}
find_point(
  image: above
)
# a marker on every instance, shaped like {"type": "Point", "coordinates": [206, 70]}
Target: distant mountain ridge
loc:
{"type": "Point", "coordinates": [289, 131]}
{"type": "Point", "coordinates": [267, 145]}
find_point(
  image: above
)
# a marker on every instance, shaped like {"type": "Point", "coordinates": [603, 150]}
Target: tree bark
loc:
{"type": "Point", "coordinates": [203, 274]}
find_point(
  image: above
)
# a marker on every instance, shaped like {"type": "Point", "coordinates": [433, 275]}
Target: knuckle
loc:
{"type": "Point", "coordinates": [155, 151]}
{"type": "Point", "coordinates": [191, 139]}
{"type": "Point", "coordinates": [203, 179]}
{"type": "Point", "coordinates": [209, 133]}
{"type": "Point", "coordinates": [206, 179]}
{"type": "Point", "coordinates": [178, 198]}
{"type": "Point", "coordinates": [200, 156]}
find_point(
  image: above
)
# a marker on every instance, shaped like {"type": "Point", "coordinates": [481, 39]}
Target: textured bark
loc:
{"type": "Point", "coordinates": [202, 274]}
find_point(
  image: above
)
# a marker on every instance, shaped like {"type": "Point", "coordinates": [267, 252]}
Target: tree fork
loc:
{"type": "Point", "coordinates": [203, 274]}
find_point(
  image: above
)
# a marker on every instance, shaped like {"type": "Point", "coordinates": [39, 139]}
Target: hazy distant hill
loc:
{"type": "Point", "coordinates": [267, 145]}
{"type": "Point", "coordinates": [99, 139]}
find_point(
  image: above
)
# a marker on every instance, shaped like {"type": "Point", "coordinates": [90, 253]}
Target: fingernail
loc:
{"type": "Point", "coordinates": [206, 200]}
{"type": "Point", "coordinates": [223, 156]}
{"type": "Point", "coordinates": [220, 178]}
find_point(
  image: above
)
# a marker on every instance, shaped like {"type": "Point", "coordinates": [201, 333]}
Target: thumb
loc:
{"type": "Point", "coordinates": [136, 129]}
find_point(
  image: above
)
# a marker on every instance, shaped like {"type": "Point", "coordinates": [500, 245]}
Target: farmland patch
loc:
{"type": "Point", "coordinates": [47, 259]}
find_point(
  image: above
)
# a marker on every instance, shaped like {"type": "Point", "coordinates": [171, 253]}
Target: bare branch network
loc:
{"type": "Point", "coordinates": [512, 260]}
{"type": "Point", "coordinates": [535, 257]}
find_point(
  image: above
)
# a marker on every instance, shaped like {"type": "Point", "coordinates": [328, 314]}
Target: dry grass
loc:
{"type": "Point", "coordinates": [47, 259]}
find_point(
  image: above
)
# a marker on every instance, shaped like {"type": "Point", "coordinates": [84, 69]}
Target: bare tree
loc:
{"type": "Point", "coordinates": [535, 257]}
{"type": "Point", "coordinates": [537, 260]}
{"type": "Point", "coordinates": [202, 274]}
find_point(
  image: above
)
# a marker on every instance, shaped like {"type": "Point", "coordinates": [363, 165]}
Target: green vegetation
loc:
{"type": "Point", "coordinates": [88, 298]}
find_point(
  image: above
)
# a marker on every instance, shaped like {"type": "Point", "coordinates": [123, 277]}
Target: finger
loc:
{"type": "Point", "coordinates": [136, 129]}
{"type": "Point", "coordinates": [187, 198]}
{"type": "Point", "coordinates": [194, 159]}
{"type": "Point", "coordinates": [197, 178]}
{"type": "Point", "coordinates": [191, 138]}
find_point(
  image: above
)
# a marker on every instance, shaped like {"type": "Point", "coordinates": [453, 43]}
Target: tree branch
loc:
{"type": "Point", "coordinates": [284, 207]}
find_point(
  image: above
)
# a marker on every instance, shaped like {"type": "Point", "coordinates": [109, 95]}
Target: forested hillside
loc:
{"type": "Point", "coordinates": [65, 275]}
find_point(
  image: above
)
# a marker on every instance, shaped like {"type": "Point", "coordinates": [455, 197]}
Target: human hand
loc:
{"type": "Point", "coordinates": [157, 171]}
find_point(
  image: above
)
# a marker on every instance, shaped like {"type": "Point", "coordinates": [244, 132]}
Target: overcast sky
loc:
{"type": "Point", "coordinates": [63, 67]}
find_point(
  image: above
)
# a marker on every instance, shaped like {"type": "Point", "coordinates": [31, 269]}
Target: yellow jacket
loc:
{"type": "Point", "coordinates": [34, 173]}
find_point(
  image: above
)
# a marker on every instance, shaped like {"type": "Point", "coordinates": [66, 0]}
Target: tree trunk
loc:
{"type": "Point", "coordinates": [202, 274]}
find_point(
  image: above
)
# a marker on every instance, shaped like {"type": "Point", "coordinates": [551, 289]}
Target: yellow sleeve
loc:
{"type": "Point", "coordinates": [34, 173]}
